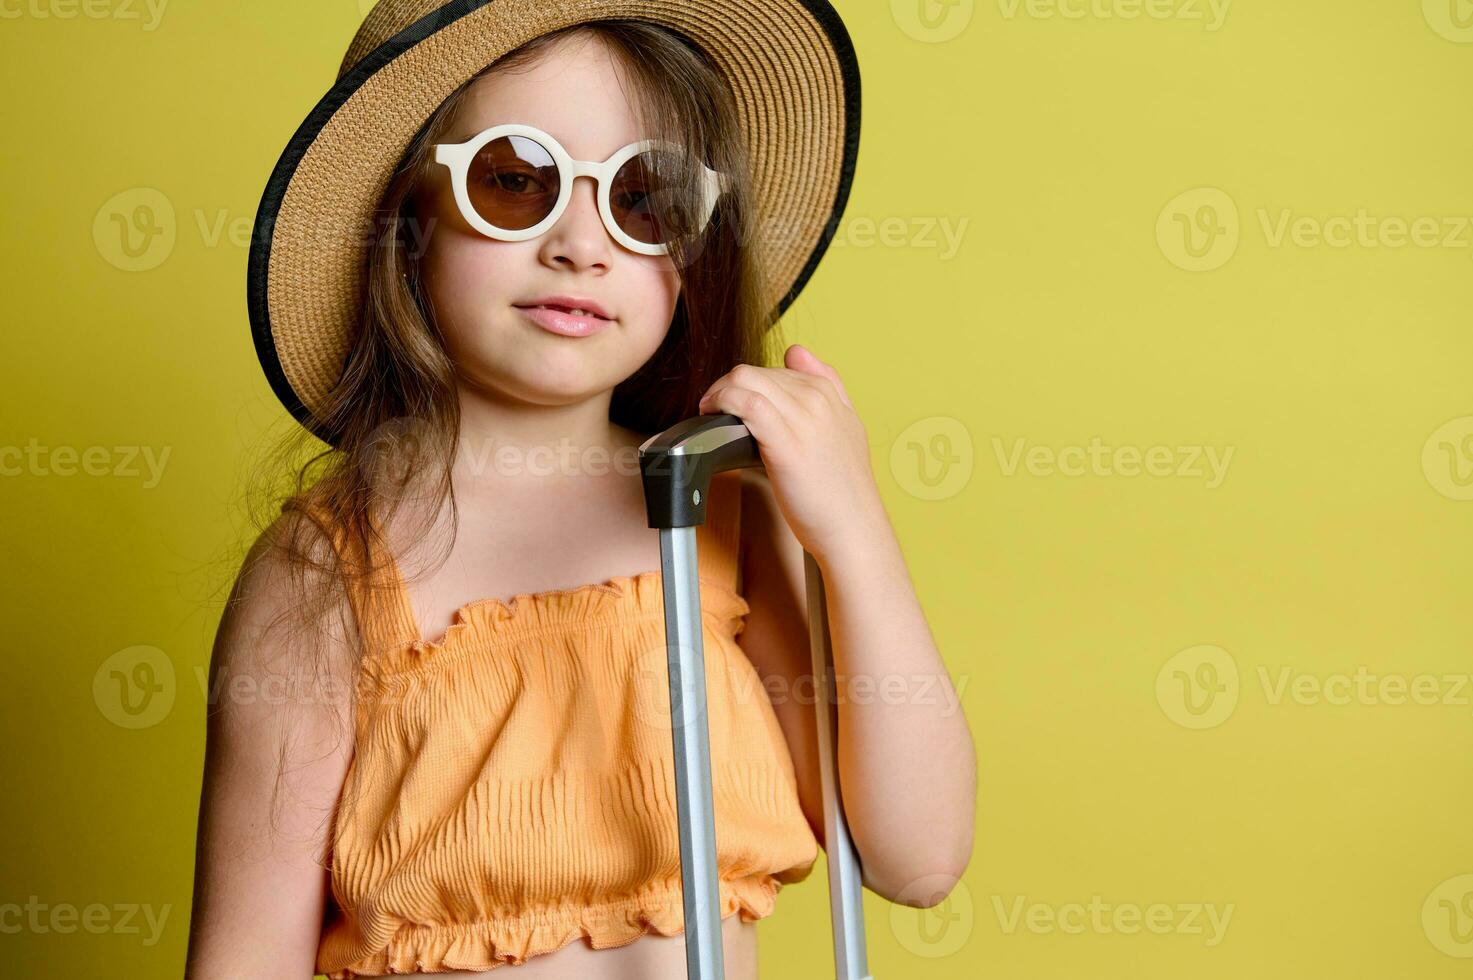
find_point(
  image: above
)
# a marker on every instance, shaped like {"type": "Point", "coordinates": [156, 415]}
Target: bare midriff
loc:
{"type": "Point", "coordinates": [650, 957]}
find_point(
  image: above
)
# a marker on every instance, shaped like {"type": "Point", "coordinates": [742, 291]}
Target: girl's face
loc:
{"type": "Point", "coordinates": [475, 284]}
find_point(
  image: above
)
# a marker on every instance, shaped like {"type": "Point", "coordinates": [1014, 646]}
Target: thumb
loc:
{"type": "Point", "coordinates": [800, 358]}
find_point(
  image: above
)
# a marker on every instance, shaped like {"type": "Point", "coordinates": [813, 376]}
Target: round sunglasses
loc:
{"type": "Point", "coordinates": [512, 182]}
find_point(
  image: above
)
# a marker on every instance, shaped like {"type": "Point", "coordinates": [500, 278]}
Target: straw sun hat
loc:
{"type": "Point", "coordinates": [789, 63]}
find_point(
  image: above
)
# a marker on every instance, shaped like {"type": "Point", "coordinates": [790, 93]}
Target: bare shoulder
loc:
{"type": "Point", "coordinates": [292, 558]}
{"type": "Point", "coordinates": [277, 748]}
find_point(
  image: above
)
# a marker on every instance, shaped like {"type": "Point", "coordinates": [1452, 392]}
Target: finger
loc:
{"type": "Point", "coordinates": [803, 359]}
{"type": "Point", "coordinates": [783, 392]}
{"type": "Point", "coordinates": [791, 380]}
{"type": "Point", "coordinates": [765, 420]}
{"type": "Point", "coordinates": [803, 380]}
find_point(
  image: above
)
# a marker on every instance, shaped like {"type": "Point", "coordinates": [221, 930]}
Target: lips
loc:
{"type": "Point", "coordinates": [567, 324]}
{"type": "Point", "coordinates": [573, 310]}
{"type": "Point", "coordinates": [577, 306]}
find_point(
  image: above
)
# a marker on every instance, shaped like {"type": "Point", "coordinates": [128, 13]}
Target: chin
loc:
{"type": "Point", "coordinates": [553, 380]}
{"type": "Point", "coordinates": [534, 366]}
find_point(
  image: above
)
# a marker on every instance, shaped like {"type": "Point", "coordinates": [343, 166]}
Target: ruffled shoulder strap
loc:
{"type": "Point", "coordinates": [375, 590]}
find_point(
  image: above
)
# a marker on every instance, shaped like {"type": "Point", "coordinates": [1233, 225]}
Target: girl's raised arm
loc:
{"type": "Point", "coordinates": [260, 885]}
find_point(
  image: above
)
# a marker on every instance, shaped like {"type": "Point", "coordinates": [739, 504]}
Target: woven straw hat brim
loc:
{"type": "Point", "coordinates": [790, 64]}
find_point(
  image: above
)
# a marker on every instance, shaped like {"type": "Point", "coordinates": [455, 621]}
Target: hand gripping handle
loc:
{"type": "Point", "coordinates": [677, 466]}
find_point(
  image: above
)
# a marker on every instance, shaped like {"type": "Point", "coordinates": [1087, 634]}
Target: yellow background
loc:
{"type": "Point", "coordinates": [1336, 541]}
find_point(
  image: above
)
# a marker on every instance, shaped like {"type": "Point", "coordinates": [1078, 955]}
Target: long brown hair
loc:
{"type": "Point", "coordinates": [393, 417]}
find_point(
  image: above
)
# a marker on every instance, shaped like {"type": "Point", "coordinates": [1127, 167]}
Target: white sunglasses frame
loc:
{"type": "Point", "coordinates": [457, 157]}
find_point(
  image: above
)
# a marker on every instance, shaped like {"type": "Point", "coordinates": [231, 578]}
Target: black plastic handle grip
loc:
{"type": "Point", "coordinates": [677, 465]}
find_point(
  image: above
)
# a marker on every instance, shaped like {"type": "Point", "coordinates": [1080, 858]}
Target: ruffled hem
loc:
{"type": "Point", "coordinates": [486, 945]}
{"type": "Point", "coordinates": [616, 602]}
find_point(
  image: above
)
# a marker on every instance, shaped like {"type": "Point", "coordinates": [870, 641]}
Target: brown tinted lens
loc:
{"type": "Point", "coordinates": [654, 197]}
{"type": "Point", "coordinates": [512, 182]}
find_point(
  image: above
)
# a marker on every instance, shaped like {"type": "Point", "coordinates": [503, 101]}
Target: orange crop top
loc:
{"type": "Point", "coordinates": [513, 783]}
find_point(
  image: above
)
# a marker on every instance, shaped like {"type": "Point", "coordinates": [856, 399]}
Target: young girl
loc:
{"type": "Point", "coordinates": [446, 781]}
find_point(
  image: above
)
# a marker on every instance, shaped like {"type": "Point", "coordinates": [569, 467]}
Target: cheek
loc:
{"type": "Point", "coordinates": [465, 277]}
{"type": "Point", "coordinates": [646, 307]}
{"type": "Point", "coordinates": [457, 265]}
{"type": "Point", "coordinates": [654, 290]}
{"type": "Point", "coordinates": [451, 262]}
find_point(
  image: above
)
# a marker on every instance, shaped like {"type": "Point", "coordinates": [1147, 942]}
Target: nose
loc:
{"type": "Point", "coordinates": [579, 239]}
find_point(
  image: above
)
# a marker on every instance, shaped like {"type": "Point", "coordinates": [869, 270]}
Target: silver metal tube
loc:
{"type": "Point", "coordinates": [685, 658]}
{"type": "Point", "coordinates": [703, 445]}
{"type": "Point", "coordinates": [846, 904]}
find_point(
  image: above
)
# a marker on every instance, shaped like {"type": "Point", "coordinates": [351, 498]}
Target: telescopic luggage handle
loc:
{"type": "Point", "coordinates": [677, 466]}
